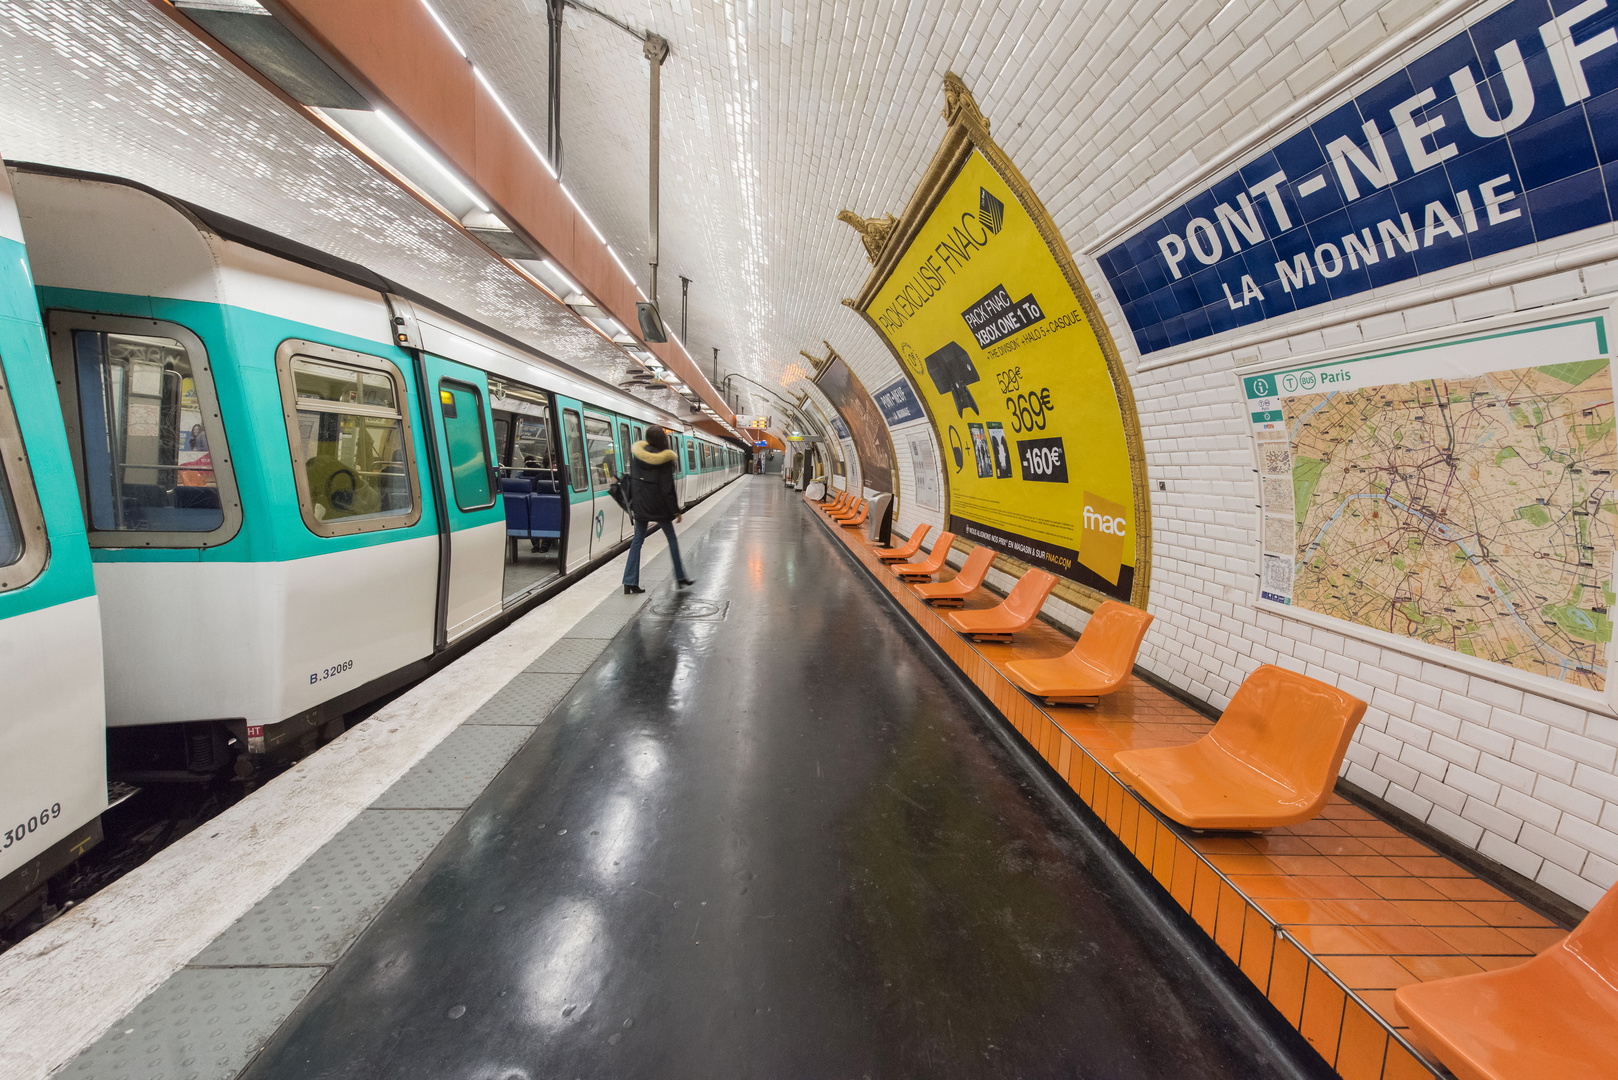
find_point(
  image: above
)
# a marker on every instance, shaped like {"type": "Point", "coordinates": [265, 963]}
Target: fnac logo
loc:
{"type": "Point", "coordinates": [1101, 522]}
{"type": "Point", "coordinates": [1101, 540]}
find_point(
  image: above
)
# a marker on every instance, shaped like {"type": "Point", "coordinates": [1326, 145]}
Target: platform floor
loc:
{"type": "Point", "coordinates": [749, 829]}
{"type": "Point", "coordinates": [761, 836]}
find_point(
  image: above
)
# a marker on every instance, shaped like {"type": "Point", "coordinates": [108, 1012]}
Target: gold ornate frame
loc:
{"type": "Point", "coordinates": [969, 131]}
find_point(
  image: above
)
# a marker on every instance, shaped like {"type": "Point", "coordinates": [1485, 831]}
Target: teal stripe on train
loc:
{"type": "Point", "coordinates": [67, 575]}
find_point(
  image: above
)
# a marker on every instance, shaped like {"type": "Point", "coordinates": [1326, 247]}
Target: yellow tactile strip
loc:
{"type": "Point", "coordinates": [1326, 918]}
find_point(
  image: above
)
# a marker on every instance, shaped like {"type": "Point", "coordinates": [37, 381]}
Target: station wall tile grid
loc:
{"type": "Point", "coordinates": [1327, 918]}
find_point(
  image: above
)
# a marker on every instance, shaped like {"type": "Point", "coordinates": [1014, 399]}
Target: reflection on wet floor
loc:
{"type": "Point", "coordinates": [764, 837]}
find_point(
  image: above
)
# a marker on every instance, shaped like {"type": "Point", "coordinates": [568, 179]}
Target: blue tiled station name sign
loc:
{"type": "Point", "coordinates": [1503, 135]}
{"type": "Point", "coordinates": [898, 403]}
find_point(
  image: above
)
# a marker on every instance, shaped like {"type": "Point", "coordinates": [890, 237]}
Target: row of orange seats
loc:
{"type": "Point", "coordinates": [1272, 760]}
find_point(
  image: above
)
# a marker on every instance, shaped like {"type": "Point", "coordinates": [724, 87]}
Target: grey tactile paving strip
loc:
{"type": "Point", "coordinates": [526, 700]}
{"type": "Point", "coordinates": [312, 916]}
{"type": "Point", "coordinates": [202, 1024]}
{"type": "Point", "coordinates": [457, 770]}
{"type": "Point", "coordinates": [571, 655]}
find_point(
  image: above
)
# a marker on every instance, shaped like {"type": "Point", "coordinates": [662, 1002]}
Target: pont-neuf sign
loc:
{"type": "Point", "coordinates": [1504, 135]}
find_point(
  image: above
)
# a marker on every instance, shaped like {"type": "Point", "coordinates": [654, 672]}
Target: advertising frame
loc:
{"type": "Point", "coordinates": [887, 242]}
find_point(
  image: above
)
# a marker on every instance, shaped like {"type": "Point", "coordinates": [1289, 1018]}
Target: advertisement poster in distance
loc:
{"type": "Point", "coordinates": [993, 337]}
{"type": "Point", "coordinates": [859, 420]}
{"type": "Point", "coordinates": [1459, 493]}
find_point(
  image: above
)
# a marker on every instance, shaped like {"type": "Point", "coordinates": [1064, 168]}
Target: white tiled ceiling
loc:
{"type": "Point", "coordinates": [116, 87]}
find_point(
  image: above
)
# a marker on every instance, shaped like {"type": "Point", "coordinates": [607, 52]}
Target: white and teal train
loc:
{"type": "Point", "coordinates": [248, 488]}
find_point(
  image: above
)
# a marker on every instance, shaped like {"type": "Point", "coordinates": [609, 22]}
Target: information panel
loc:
{"type": "Point", "coordinates": [1459, 493]}
{"type": "Point", "coordinates": [858, 420]}
{"type": "Point", "coordinates": [1013, 373]}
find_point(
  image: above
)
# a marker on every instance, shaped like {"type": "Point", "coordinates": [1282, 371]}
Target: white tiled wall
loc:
{"type": "Point", "coordinates": [1527, 780]}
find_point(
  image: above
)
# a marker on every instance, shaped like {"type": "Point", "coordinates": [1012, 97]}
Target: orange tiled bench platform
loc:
{"type": "Point", "coordinates": [1328, 918]}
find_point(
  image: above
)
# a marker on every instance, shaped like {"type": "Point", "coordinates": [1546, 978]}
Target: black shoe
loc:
{"type": "Point", "coordinates": [631, 590]}
{"type": "Point", "coordinates": [685, 581]}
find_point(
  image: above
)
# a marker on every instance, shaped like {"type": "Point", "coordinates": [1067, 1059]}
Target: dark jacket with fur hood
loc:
{"type": "Point", "coordinates": [651, 484]}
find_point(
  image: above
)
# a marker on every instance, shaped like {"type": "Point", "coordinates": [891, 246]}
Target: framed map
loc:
{"type": "Point", "coordinates": [1458, 492]}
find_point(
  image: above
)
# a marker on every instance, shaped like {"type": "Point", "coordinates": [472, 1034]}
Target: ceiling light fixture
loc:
{"type": "Point", "coordinates": [421, 151]}
{"type": "Point", "coordinates": [498, 100]}
{"type": "Point", "coordinates": [442, 25]}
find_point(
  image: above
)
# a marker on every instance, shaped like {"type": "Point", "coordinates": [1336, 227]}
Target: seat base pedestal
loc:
{"type": "Point", "coordinates": [998, 639]}
{"type": "Point", "coordinates": [946, 601]}
{"type": "Point", "coordinates": [1082, 700]}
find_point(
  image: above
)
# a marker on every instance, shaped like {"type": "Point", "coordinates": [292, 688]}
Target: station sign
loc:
{"type": "Point", "coordinates": [899, 403]}
{"type": "Point", "coordinates": [1489, 142]}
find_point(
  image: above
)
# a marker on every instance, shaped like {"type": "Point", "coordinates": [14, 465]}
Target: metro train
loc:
{"type": "Point", "coordinates": [248, 488]}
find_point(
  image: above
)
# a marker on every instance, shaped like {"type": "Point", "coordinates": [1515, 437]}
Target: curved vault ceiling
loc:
{"type": "Point", "coordinates": [775, 117]}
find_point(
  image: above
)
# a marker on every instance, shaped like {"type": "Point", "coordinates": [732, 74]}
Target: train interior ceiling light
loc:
{"type": "Point", "coordinates": [251, 32]}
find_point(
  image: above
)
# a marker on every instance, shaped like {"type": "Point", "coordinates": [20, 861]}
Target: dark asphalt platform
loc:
{"type": "Point", "coordinates": [767, 836]}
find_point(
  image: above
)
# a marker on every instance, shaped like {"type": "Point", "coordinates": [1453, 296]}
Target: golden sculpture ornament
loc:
{"type": "Point", "coordinates": [874, 232]}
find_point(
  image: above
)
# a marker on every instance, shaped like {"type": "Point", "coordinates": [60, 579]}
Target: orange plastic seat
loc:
{"type": "Point", "coordinates": [850, 509]}
{"type": "Point", "coordinates": [932, 564]}
{"type": "Point", "coordinates": [1271, 760]}
{"type": "Point", "coordinates": [1012, 614]}
{"type": "Point", "coordinates": [859, 516]}
{"type": "Point", "coordinates": [1554, 1017]}
{"type": "Point", "coordinates": [905, 550]}
{"type": "Point", "coordinates": [953, 593]}
{"type": "Point", "coordinates": [837, 503]}
{"type": "Point", "coordinates": [1098, 663]}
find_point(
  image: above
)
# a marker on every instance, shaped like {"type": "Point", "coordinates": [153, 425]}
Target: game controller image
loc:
{"type": "Point", "coordinates": [952, 372]}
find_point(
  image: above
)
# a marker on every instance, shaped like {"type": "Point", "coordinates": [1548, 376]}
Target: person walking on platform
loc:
{"type": "Point", "coordinates": [653, 503]}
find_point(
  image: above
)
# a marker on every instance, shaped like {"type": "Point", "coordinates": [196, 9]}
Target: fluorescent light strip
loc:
{"type": "Point", "coordinates": [431, 159]}
{"type": "Point", "coordinates": [619, 261]}
{"type": "Point", "coordinates": [498, 100]}
{"type": "Point", "coordinates": [583, 215]}
{"type": "Point", "coordinates": [445, 28]}
{"type": "Point", "coordinates": [567, 282]}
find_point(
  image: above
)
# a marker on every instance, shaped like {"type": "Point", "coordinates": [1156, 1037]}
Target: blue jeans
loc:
{"type": "Point", "coordinates": [632, 567]}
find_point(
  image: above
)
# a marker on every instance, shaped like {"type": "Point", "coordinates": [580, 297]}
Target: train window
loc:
{"type": "Point", "coordinates": [623, 444]}
{"type": "Point", "coordinates": [148, 440]}
{"type": "Point", "coordinates": [348, 426]}
{"type": "Point", "coordinates": [533, 445]}
{"type": "Point", "coordinates": [598, 446]}
{"type": "Point", "coordinates": [691, 455]}
{"type": "Point", "coordinates": [575, 450]}
{"type": "Point", "coordinates": [23, 547]}
{"type": "Point", "coordinates": [466, 440]}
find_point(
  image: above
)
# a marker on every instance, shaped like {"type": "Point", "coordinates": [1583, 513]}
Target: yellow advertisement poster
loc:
{"type": "Point", "coordinates": [983, 317]}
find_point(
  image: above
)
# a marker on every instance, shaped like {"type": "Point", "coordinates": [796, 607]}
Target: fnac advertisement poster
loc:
{"type": "Point", "coordinates": [990, 331]}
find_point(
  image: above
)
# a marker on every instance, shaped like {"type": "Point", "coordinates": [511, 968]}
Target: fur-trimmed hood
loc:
{"type": "Point", "coordinates": [650, 456]}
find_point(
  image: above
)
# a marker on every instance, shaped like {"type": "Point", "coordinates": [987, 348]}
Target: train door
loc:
{"type": "Point", "coordinates": [580, 508]}
{"type": "Point", "coordinates": [601, 451]}
{"type": "Point", "coordinates": [530, 485]}
{"type": "Point", "coordinates": [624, 462]}
{"type": "Point", "coordinates": [53, 778]}
{"type": "Point", "coordinates": [477, 530]}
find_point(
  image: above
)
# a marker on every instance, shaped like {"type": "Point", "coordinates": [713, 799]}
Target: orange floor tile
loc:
{"type": "Point", "coordinates": [1328, 917]}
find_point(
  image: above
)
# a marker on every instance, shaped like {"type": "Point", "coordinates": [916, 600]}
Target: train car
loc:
{"type": "Point", "coordinates": [53, 785]}
{"type": "Point", "coordinates": [300, 486]}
